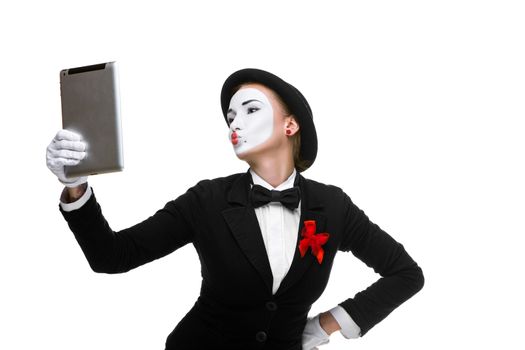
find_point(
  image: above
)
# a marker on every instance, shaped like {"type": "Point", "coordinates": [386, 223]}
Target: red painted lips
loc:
{"type": "Point", "coordinates": [235, 138]}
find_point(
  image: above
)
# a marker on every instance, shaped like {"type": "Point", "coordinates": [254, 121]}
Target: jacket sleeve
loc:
{"type": "Point", "coordinates": [401, 277]}
{"type": "Point", "coordinates": [115, 252]}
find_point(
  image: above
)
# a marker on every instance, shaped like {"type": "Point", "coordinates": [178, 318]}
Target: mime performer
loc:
{"type": "Point", "coordinates": [266, 238]}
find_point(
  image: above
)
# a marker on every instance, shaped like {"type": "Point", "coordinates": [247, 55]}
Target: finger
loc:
{"type": "Point", "coordinates": [65, 134]}
{"type": "Point", "coordinates": [59, 162]}
{"type": "Point", "coordinates": [79, 146]}
{"type": "Point", "coordinates": [67, 154]}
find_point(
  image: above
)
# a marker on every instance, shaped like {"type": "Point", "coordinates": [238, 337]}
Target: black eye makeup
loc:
{"type": "Point", "coordinates": [230, 116]}
{"type": "Point", "coordinates": [251, 110]}
{"type": "Point", "coordinates": [249, 106]}
{"type": "Point", "coordinates": [252, 106]}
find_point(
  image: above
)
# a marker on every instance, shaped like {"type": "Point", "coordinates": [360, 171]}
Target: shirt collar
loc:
{"type": "Point", "coordinates": [288, 183]}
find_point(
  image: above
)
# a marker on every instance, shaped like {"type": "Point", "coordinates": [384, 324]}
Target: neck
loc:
{"type": "Point", "coordinates": [273, 169]}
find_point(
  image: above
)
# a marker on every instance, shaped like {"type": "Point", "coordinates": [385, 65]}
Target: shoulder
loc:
{"type": "Point", "coordinates": [210, 188]}
{"type": "Point", "coordinates": [324, 187]}
{"type": "Point", "coordinates": [218, 182]}
{"type": "Point", "coordinates": [324, 191]}
{"type": "Point", "coordinates": [205, 193]}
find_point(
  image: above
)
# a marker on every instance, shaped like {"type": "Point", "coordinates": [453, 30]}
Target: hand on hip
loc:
{"type": "Point", "coordinates": [313, 334]}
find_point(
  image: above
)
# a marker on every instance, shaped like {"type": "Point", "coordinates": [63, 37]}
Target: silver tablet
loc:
{"type": "Point", "coordinates": [91, 107]}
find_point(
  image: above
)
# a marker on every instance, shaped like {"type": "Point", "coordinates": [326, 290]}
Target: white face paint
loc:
{"type": "Point", "coordinates": [250, 116]}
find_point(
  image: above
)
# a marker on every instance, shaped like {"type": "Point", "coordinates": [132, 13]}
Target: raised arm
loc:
{"type": "Point", "coordinates": [111, 251]}
{"type": "Point", "coordinates": [106, 250]}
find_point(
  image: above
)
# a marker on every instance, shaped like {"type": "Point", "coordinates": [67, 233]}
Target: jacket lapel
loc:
{"type": "Point", "coordinates": [244, 226]}
{"type": "Point", "coordinates": [310, 210]}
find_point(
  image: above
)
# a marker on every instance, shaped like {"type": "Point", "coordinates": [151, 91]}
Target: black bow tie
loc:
{"type": "Point", "coordinates": [260, 195]}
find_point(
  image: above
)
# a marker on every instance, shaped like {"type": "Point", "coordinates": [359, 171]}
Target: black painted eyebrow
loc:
{"type": "Point", "coordinates": [246, 102]}
{"type": "Point", "coordinates": [243, 104]}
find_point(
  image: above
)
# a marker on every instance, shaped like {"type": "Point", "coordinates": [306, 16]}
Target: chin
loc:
{"type": "Point", "coordinates": [243, 155]}
{"type": "Point", "coordinates": [253, 152]}
{"type": "Point", "coordinates": [248, 154]}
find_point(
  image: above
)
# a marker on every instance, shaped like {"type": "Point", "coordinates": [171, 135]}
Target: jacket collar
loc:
{"type": "Point", "coordinates": [239, 192]}
{"type": "Point", "coordinates": [288, 183]}
{"type": "Point", "coordinates": [243, 224]}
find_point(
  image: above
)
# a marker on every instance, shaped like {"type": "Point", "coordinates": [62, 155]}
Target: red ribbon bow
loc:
{"type": "Point", "coordinates": [311, 239]}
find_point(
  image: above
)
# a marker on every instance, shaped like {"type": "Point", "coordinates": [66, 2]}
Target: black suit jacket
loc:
{"type": "Point", "coordinates": [236, 308]}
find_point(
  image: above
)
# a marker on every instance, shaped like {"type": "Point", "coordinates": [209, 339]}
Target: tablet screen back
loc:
{"type": "Point", "coordinates": [90, 107]}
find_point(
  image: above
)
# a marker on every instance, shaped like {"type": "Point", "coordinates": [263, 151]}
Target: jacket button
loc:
{"type": "Point", "coordinates": [261, 336]}
{"type": "Point", "coordinates": [271, 306]}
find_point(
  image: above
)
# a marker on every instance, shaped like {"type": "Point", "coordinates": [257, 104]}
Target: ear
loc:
{"type": "Point", "coordinates": [291, 124]}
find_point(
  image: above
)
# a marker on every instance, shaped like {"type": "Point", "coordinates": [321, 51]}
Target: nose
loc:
{"type": "Point", "coordinates": [236, 124]}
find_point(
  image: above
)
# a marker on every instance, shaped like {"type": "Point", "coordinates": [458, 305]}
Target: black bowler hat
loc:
{"type": "Point", "coordinates": [292, 97]}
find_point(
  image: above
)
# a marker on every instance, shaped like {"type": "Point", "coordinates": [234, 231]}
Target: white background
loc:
{"type": "Point", "coordinates": [419, 109]}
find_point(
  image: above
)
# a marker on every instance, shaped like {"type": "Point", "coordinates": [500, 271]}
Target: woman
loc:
{"type": "Point", "coordinates": [266, 238]}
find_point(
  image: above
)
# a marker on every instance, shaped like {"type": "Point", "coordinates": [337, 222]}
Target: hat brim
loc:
{"type": "Point", "coordinates": [294, 99]}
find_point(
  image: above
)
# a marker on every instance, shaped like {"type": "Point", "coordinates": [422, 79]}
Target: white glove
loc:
{"type": "Point", "coordinates": [67, 148]}
{"type": "Point", "coordinates": [314, 334]}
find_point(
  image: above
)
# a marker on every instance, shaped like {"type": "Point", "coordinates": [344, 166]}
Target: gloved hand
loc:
{"type": "Point", "coordinates": [314, 334]}
{"type": "Point", "coordinates": [66, 148]}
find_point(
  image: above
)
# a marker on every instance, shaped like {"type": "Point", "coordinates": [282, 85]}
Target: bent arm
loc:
{"type": "Point", "coordinates": [401, 277]}
{"type": "Point", "coordinates": [116, 252]}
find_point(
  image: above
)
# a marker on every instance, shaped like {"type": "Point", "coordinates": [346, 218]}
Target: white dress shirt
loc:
{"type": "Point", "coordinates": [279, 227]}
